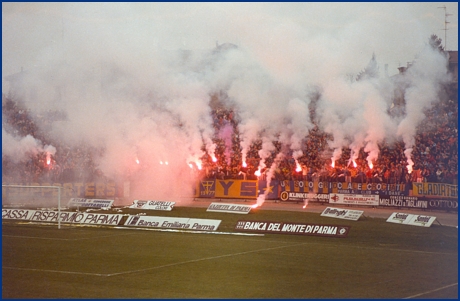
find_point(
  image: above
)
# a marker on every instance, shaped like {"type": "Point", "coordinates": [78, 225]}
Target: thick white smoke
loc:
{"type": "Point", "coordinates": [424, 79]}
{"type": "Point", "coordinates": [136, 80]}
{"type": "Point", "coordinates": [22, 148]}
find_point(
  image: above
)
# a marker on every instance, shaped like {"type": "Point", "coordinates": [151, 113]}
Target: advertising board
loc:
{"type": "Point", "coordinates": [229, 208]}
{"type": "Point", "coordinates": [353, 215]}
{"type": "Point", "coordinates": [354, 199]}
{"type": "Point", "coordinates": [292, 228]}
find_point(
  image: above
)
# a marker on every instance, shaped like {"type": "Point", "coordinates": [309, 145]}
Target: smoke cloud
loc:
{"type": "Point", "coordinates": [136, 80]}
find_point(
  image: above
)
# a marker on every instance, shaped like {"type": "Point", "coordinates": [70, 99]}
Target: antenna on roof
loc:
{"type": "Point", "coordinates": [445, 25]}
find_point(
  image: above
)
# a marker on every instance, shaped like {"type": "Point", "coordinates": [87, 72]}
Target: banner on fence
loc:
{"type": "Point", "coordinates": [167, 222]}
{"type": "Point", "coordinates": [236, 189]}
{"type": "Point", "coordinates": [435, 190]}
{"type": "Point", "coordinates": [304, 186]}
{"type": "Point", "coordinates": [207, 189]}
{"type": "Point", "coordinates": [292, 228]}
{"type": "Point", "coordinates": [354, 199]}
{"type": "Point", "coordinates": [344, 188]}
{"type": "Point", "coordinates": [303, 196]}
{"type": "Point", "coordinates": [63, 216]}
{"type": "Point", "coordinates": [272, 191]}
{"type": "Point", "coordinates": [403, 202]}
{"type": "Point", "coordinates": [436, 204]}
{"type": "Point", "coordinates": [229, 208]}
{"type": "Point", "coordinates": [411, 219]}
{"type": "Point", "coordinates": [153, 205]}
{"type": "Point", "coordinates": [17, 214]}
{"type": "Point", "coordinates": [367, 188]}
{"type": "Point", "coordinates": [353, 215]}
{"type": "Point", "coordinates": [90, 203]}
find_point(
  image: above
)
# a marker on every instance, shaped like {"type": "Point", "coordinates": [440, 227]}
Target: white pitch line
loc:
{"type": "Point", "coordinates": [202, 259]}
{"type": "Point", "coordinates": [54, 271]}
{"type": "Point", "coordinates": [148, 269]}
{"type": "Point", "coordinates": [33, 237]}
{"type": "Point", "coordinates": [66, 239]}
{"type": "Point", "coordinates": [434, 290]}
{"type": "Point", "coordinates": [189, 231]}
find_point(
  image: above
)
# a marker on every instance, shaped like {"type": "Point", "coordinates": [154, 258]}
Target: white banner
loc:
{"type": "Point", "coordinates": [411, 219]}
{"type": "Point", "coordinates": [91, 203]}
{"type": "Point", "coordinates": [354, 199]}
{"type": "Point", "coordinates": [173, 222]}
{"type": "Point", "coordinates": [153, 205]}
{"type": "Point", "coordinates": [342, 213]}
{"type": "Point", "coordinates": [229, 208]}
{"type": "Point", "coordinates": [17, 214]}
{"type": "Point", "coordinates": [64, 217]}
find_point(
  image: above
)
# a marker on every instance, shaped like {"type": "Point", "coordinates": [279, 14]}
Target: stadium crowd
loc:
{"type": "Point", "coordinates": [435, 153]}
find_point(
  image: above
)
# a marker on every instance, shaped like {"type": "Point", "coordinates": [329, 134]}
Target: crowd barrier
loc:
{"type": "Point", "coordinates": [413, 195]}
{"type": "Point", "coordinates": [433, 196]}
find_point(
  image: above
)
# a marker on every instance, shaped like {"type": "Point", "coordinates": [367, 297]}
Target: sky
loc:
{"type": "Point", "coordinates": [121, 73]}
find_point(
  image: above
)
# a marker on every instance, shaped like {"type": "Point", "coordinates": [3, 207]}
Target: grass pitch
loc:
{"type": "Point", "coordinates": [376, 260]}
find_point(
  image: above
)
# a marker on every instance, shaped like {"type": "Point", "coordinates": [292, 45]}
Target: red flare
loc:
{"type": "Point", "coordinates": [255, 206]}
{"type": "Point", "coordinates": [371, 165]}
{"type": "Point", "coordinates": [333, 164]}
{"type": "Point", "coordinates": [137, 160]}
{"type": "Point", "coordinates": [354, 164]}
{"type": "Point", "coordinates": [409, 169]}
{"type": "Point", "coordinates": [257, 173]}
{"type": "Point", "coordinates": [244, 164]}
{"type": "Point", "coordinates": [298, 167]}
{"type": "Point", "coordinates": [214, 159]}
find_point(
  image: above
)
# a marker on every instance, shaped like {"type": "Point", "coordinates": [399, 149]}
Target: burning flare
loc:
{"type": "Point", "coordinates": [298, 167]}
{"type": "Point", "coordinates": [306, 204]}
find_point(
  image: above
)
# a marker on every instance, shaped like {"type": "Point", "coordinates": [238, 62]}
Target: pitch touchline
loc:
{"type": "Point", "coordinates": [201, 259]}
{"type": "Point", "coordinates": [66, 239]}
{"type": "Point", "coordinates": [148, 269]}
{"type": "Point", "coordinates": [434, 290]}
{"type": "Point", "coordinates": [53, 271]}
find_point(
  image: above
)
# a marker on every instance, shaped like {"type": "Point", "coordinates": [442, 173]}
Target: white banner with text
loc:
{"type": "Point", "coordinates": [229, 208]}
{"type": "Point", "coordinates": [411, 219]}
{"type": "Point", "coordinates": [153, 205]}
{"type": "Point", "coordinates": [90, 203]}
{"type": "Point", "coordinates": [353, 215]}
{"type": "Point", "coordinates": [63, 217]}
{"type": "Point", "coordinates": [354, 199]}
{"type": "Point", "coordinates": [167, 222]}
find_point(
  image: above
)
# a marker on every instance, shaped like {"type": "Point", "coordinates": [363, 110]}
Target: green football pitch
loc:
{"type": "Point", "coordinates": [376, 260]}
